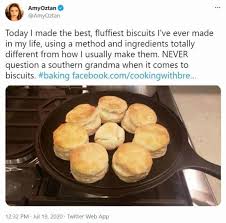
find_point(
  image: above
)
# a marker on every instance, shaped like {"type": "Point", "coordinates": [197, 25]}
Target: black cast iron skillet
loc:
{"type": "Point", "coordinates": [179, 154]}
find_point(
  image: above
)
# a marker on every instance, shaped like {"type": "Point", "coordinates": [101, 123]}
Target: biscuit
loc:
{"type": "Point", "coordinates": [92, 127]}
{"type": "Point", "coordinates": [127, 124]}
{"type": "Point", "coordinates": [89, 163]}
{"type": "Point", "coordinates": [85, 115]}
{"type": "Point", "coordinates": [111, 109]}
{"type": "Point", "coordinates": [154, 138]}
{"type": "Point", "coordinates": [131, 162]}
{"type": "Point", "coordinates": [68, 137]}
{"type": "Point", "coordinates": [138, 115]}
{"type": "Point", "coordinates": [110, 135]}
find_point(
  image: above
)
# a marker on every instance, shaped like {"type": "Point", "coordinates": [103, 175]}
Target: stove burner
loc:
{"type": "Point", "coordinates": [26, 107]}
{"type": "Point", "coordinates": [27, 154]}
{"type": "Point", "coordinates": [21, 183]}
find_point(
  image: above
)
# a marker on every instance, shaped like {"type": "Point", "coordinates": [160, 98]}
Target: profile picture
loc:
{"type": "Point", "coordinates": [14, 12]}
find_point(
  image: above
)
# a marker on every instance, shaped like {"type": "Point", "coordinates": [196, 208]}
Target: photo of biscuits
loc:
{"type": "Point", "coordinates": [85, 115]}
{"type": "Point", "coordinates": [50, 162]}
{"type": "Point", "coordinates": [138, 115]}
{"type": "Point", "coordinates": [131, 162]}
{"type": "Point", "coordinates": [111, 109]}
{"type": "Point", "coordinates": [89, 163]}
{"type": "Point", "coordinates": [154, 138]}
{"type": "Point", "coordinates": [110, 135]}
{"type": "Point", "coordinates": [68, 137]}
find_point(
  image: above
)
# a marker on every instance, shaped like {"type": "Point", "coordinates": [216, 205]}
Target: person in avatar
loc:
{"type": "Point", "coordinates": [14, 12]}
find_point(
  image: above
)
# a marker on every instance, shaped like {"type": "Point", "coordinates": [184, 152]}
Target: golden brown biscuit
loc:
{"type": "Point", "coordinates": [85, 115]}
{"type": "Point", "coordinates": [138, 115]}
{"type": "Point", "coordinates": [111, 108]}
{"type": "Point", "coordinates": [141, 114]}
{"type": "Point", "coordinates": [68, 137]}
{"type": "Point", "coordinates": [154, 138]}
{"type": "Point", "coordinates": [92, 127]}
{"type": "Point", "coordinates": [127, 124]}
{"type": "Point", "coordinates": [131, 162]}
{"type": "Point", "coordinates": [89, 163]}
{"type": "Point", "coordinates": [110, 135]}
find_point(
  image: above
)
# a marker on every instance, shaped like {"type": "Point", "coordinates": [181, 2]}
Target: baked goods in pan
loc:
{"type": "Point", "coordinates": [85, 115]}
{"type": "Point", "coordinates": [131, 162]}
{"type": "Point", "coordinates": [111, 109]}
{"type": "Point", "coordinates": [154, 138]}
{"type": "Point", "coordinates": [110, 135]}
{"type": "Point", "coordinates": [138, 115]}
{"type": "Point", "coordinates": [68, 137]}
{"type": "Point", "coordinates": [89, 163]}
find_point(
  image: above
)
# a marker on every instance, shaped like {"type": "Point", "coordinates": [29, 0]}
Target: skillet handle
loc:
{"type": "Point", "coordinates": [191, 160]}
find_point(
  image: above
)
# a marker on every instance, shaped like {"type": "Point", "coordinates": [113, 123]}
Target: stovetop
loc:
{"type": "Point", "coordinates": [28, 184]}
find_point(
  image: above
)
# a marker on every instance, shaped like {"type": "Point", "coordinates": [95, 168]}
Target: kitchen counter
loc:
{"type": "Point", "coordinates": [200, 107]}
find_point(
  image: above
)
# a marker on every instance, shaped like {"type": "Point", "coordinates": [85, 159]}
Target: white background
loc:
{"type": "Point", "coordinates": [207, 63]}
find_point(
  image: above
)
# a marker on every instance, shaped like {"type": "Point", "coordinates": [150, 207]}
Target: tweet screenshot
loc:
{"type": "Point", "coordinates": [112, 111]}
